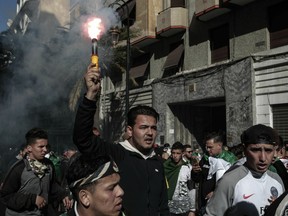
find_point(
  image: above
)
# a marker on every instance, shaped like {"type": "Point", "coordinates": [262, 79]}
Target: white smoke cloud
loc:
{"type": "Point", "coordinates": [48, 63]}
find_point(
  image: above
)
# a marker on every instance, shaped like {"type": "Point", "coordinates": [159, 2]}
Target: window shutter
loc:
{"type": "Point", "coordinates": [280, 120]}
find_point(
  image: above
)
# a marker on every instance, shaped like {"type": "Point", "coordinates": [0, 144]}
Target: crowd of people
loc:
{"type": "Point", "coordinates": [137, 177]}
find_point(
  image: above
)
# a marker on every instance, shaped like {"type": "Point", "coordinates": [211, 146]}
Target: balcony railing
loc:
{"type": "Point", "coordinates": [209, 9]}
{"type": "Point", "coordinates": [145, 23]}
{"type": "Point", "coordinates": [172, 21]}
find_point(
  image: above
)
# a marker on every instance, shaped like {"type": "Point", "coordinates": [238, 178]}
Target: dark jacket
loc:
{"type": "Point", "coordinates": [205, 185]}
{"type": "Point", "coordinates": [142, 180]}
{"type": "Point", "coordinates": [282, 172]}
{"type": "Point", "coordinates": [71, 212]}
{"type": "Point", "coordinates": [21, 187]}
{"type": "Point", "coordinates": [208, 185]}
{"type": "Point", "coordinates": [280, 205]}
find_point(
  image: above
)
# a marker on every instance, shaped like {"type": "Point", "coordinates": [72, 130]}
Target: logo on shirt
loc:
{"type": "Point", "coordinates": [247, 196]}
{"type": "Point", "coordinates": [156, 170]}
{"type": "Point", "coordinates": [274, 192]}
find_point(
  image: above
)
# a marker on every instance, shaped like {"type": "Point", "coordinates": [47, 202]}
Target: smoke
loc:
{"type": "Point", "coordinates": [49, 60]}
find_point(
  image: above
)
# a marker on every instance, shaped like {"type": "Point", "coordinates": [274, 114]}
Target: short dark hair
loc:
{"type": "Point", "coordinates": [166, 145]}
{"type": "Point", "coordinates": [34, 134]}
{"type": "Point", "coordinates": [23, 146]}
{"type": "Point", "coordinates": [216, 136]}
{"type": "Point", "coordinates": [280, 142]}
{"type": "Point", "coordinates": [177, 145]}
{"type": "Point", "coordinates": [140, 110]}
{"type": "Point", "coordinates": [259, 134]}
{"type": "Point", "coordinates": [186, 146]}
{"type": "Point", "coordinates": [237, 150]}
{"type": "Point", "coordinates": [81, 167]}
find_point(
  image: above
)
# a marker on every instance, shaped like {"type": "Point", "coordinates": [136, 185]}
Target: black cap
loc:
{"type": "Point", "coordinates": [259, 134]}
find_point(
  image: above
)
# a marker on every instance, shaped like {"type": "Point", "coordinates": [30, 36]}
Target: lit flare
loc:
{"type": "Point", "coordinates": [95, 28]}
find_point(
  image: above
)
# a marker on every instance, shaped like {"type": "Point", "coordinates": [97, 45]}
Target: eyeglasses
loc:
{"type": "Point", "coordinates": [189, 151]}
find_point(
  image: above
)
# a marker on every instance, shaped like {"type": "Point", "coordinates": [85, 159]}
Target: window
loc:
{"type": "Point", "coordinates": [280, 120]}
{"type": "Point", "coordinates": [219, 43]}
{"type": "Point", "coordinates": [174, 60]}
{"type": "Point", "coordinates": [114, 76]}
{"type": "Point", "coordinates": [278, 24]}
{"type": "Point", "coordinates": [139, 71]}
{"type": "Point", "coordinates": [178, 3]}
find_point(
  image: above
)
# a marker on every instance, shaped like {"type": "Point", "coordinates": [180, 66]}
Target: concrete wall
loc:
{"type": "Point", "coordinates": [233, 82]}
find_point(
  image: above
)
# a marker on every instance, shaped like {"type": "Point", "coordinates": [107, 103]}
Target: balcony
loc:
{"type": "Point", "coordinates": [145, 39]}
{"type": "Point", "coordinates": [145, 23]}
{"type": "Point", "coordinates": [209, 9]}
{"type": "Point", "coordinates": [172, 21]}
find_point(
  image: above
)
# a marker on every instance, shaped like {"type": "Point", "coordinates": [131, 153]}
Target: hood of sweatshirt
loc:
{"type": "Point", "coordinates": [131, 148]}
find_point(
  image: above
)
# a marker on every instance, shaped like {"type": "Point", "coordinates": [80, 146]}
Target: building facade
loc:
{"type": "Point", "coordinates": [204, 65]}
{"type": "Point", "coordinates": [207, 66]}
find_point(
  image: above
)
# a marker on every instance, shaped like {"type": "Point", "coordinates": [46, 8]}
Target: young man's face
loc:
{"type": "Point", "coordinates": [213, 148]}
{"type": "Point", "coordinates": [106, 198]}
{"type": "Point", "coordinates": [38, 149]}
{"type": "Point", "coordinates": [259, 156]}
{"type": "Point", "coordinates": [143, 133]}
{"type": "Point", "coordinates": [188, 153]}
{"type": "Point", "coordinates": [176, 155]}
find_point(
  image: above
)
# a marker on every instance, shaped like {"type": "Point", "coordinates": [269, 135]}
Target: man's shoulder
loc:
{"type": "Point", "coordinates": [228, 156]}
{"type": "Point", "coordinates": [71, 212]}
{"type": "Point", "coordinates": [274, 176]}
{"type": "Point", "coordinates": [15, 170]}
{"type": "Point", "coordinates": [234, 173]}
{"type": "Point", "coordinates": [19, 164]}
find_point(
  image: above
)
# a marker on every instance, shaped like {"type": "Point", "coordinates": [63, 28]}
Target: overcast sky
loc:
{"type": "Point", "coordinates": [7, 11]}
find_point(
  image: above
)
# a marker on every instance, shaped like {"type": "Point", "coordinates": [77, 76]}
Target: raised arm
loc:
{"type": "Point", "coordinates": [83, 136]}
{"type": "Point", "coordinates": [84, 120]}
{"type": "Point", "coordinates": [93, 82]}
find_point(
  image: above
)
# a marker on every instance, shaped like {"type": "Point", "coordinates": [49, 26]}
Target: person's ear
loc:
{"type": "Point", "coordinates": [221, 145]}
{"type": "Point", "coordinates": [129, 131]}
{"type": "Point", "coordinates": [84, 197]}
{"type": "Point", "coordinates": [29, 148]}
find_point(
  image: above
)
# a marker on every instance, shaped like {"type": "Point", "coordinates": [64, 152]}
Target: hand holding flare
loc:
{"type": "Point", "coordinates": [92, 77]}
{"type": "Point", "coordinates": [92, 81]}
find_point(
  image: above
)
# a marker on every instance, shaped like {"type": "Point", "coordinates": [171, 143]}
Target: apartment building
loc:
{"type": "Point", "coordinates": [205, 65]}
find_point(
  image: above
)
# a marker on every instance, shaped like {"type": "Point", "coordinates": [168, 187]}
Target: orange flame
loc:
{"type": "Point", "coordinates": [95, 27]}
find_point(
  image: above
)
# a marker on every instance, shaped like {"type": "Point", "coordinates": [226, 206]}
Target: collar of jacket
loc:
{"type": "Point", "coordinates": [131, 148]}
